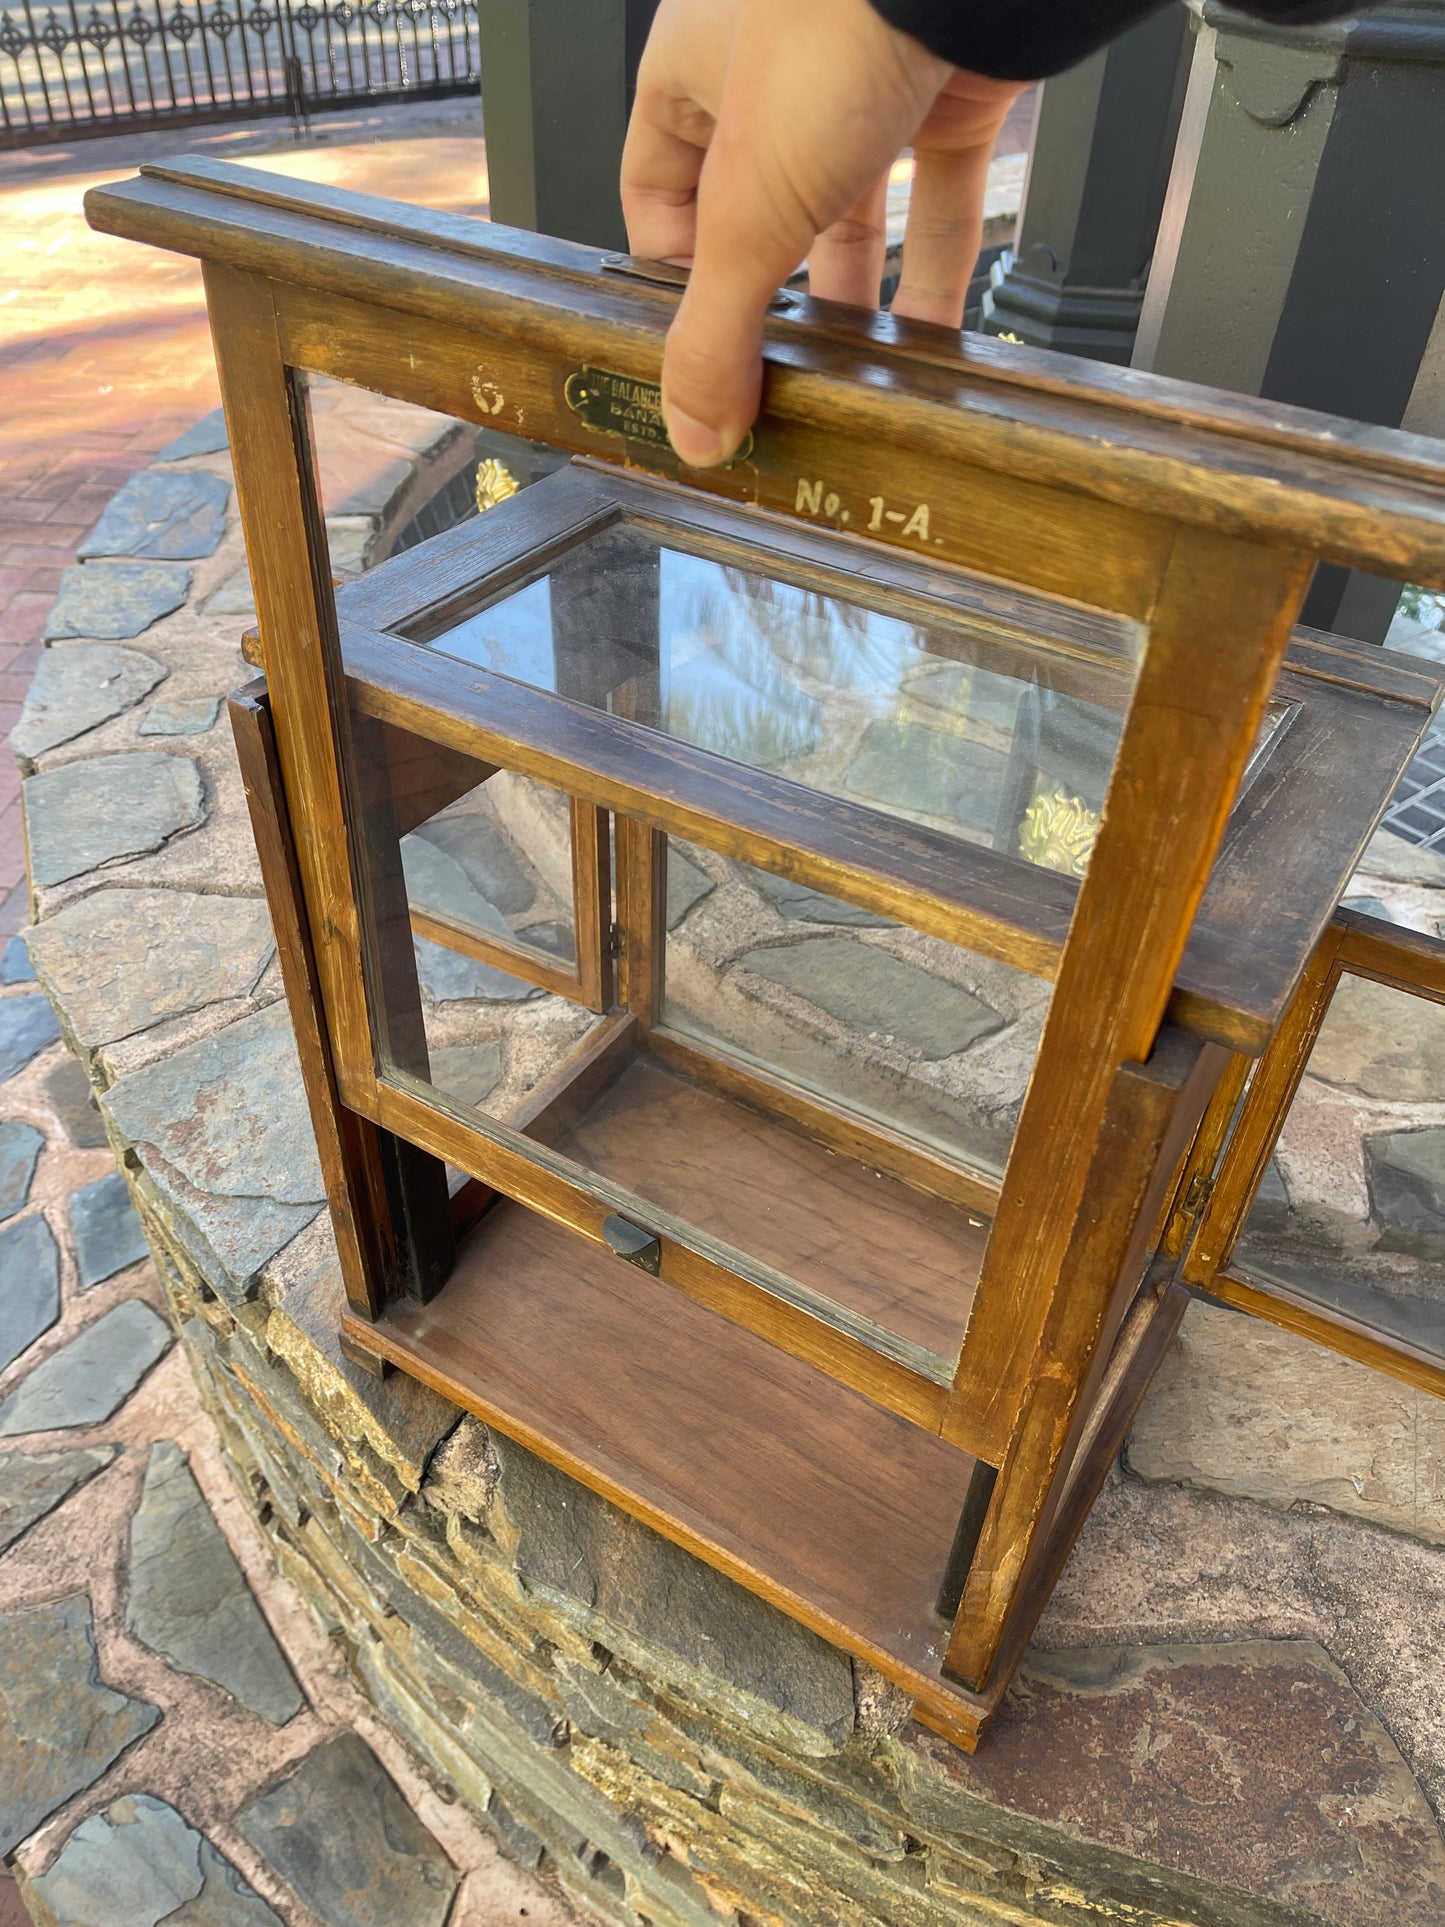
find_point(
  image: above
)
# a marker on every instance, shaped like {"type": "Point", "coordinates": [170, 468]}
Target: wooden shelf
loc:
{"type": "Point", "coordinates": [903, 1260]}
{"type": "Point", "coordinates": [840, 1512]}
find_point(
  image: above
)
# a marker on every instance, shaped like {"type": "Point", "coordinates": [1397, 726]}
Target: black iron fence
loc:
{"type": "Point", "coordinates": [110, 68]}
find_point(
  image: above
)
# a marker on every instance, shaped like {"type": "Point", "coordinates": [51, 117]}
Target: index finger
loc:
{"type": "Point", "coordinates": [820, 95]}
{"type": "Point", "coordinates": [661, 168]}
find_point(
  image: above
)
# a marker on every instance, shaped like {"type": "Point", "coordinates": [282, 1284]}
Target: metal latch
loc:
{"type": "Point", "coordinates": [630, 1241]}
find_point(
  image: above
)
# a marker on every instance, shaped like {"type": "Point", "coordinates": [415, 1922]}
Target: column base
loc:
{"type": "Point", "coordinates": [1098, 322]}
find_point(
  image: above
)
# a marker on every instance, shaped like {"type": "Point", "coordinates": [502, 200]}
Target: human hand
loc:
{"type": "Point", "coordinates": [763, 131]}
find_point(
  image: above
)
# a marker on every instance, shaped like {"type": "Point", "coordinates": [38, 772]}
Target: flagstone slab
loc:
{"type": "Point", "coordinates": [1382, 1041]}
{"type": "Point", "coordinates": [228, 1112]}
{"type": "Point", "coordinates": [166, 515]}
{"type": "Point", "coordinates": [802, 905]}
{"type": "Point", "coordinates": [20, 1148]}
{"type": "Point", "coordinates": [553, 938]}
{"type": "Point", "coordinates": [108, 1234]}
{"type": "Point", "coordinates": [339, 1831]}
{"type": "Point", "coordinates": [1369, 907]}
{"type": "Point", "coordinates": [79, 688]}
{"type": "Point", "coordinates": [27, 1026]}
{"type": "Point", "coordinates": [185, 718]}
{"type": "Point", "coordinates": [873, 991]}
{"type": "Point", "coordinates": [231, 1239]}
{"type": "Point", "coordinates": [451, 977]}
{"type": "Point", "coordinates": [223, 1131]}
{"type": "Point", "coordinates": [112, 601]}
{"type": "Point", "coordinates": [687, 885]}
{"type": "Point", "coordinates": [1407, 1189]}
{"type": "Point", "coordinates": [87, 1379]}
{"type": "Point", "coordinates": [138, 1864]}
{"type": "Point", "coordinates": [73, 1099]}
{"type": "Point", "coordinates": [119, 961]}
{"type": "Point", "coordinates": [15, 963]}
{"type": "Point", "coordinates": [189, 1600]}
{"type": "Point", "coordinates": [1246, 1409]}
{"type": "Point", "coordinates": [88, 813]}
{"type": "Point", "coordinates": [235, 597]}
{"type": "Point", "coordinates": [467, 1073]}
{"type": "Point", "coordinates": [33, 1484]}
{"type": "Point", "coordinates": [60, 1727]}
{"type": "Point", "coordinates": [29, 1285]}
{"type": "Point", "coordinates": [487, 856]}
{"type": "Point", "coordinates": [206, 437]}
{"type": "Point", "coordinates": [1400, 861]}
{"type": "Point", "coordinates": [436, 881]}
{"type": "Point", "coordinates": [1254, 1760]}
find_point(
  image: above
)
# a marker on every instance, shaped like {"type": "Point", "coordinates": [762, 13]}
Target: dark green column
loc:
{"type": "Point", "coordinates": [557, 78]}
{"type": "Point", "coordinates": [1103, 141]}
{"type": "Point", "coordinates": [1301, 252]}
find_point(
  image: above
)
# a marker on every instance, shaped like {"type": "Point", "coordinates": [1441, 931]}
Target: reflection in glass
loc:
{"type": "Point", "coordinates": [855, 1239]}
{"type": "Point", "coordinates": [498, 861]}
{"type": "Point", "coordinates": [964, 723]}
{"type": "Point", "coordinates": [1352, 1210]}
{"type": "Point", "coordinates": [490, 1039]}
{"type": "Point", "coordinates": [903, 1029]}
{"type": "Point", "coordinates": [1000, 728]}
{"type": "Point", "coordinates": [449, 861]}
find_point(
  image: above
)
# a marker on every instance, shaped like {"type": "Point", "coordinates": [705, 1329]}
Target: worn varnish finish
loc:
{"type": "Point", "coordinates": [1160, 449]}
{"type": "Point", "coordinates": [782, 1396]}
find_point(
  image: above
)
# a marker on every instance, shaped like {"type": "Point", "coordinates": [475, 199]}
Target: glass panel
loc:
{"type": "Point", "coordinates": [498, 861]}
{"type": "Point", "coordinates": [450, 862]}
{"type": "Point", "coordinates": [835, 1231]}
{"type": "Point", "coordinates": [1000, 730]}
{"type": "Point", "coordinates": [490, 1038]}
{"type": "Point", "coordinates": [1352, 1210]}
{"type": "Point", "coordinates": [903, 1029]}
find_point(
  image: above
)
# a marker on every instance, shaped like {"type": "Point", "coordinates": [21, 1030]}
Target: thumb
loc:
{"type": "Point", "coordinates": [820, 95]}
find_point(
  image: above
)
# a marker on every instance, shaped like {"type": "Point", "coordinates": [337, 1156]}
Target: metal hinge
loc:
{"type": "Point", "coordinates": [1201, 1189]}
{"type": "Point", "coordinates": [616, 941]}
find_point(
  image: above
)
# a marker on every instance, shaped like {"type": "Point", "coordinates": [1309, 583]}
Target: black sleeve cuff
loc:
{"type": "Point", "coordinates": [1031, 39]}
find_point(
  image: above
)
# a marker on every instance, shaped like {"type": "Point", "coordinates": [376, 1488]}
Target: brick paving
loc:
{"type": "Point", "coordinates": [105, 355]}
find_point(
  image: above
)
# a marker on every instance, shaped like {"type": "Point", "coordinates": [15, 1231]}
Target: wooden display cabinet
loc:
{"type": "Point", "coordinates": [832, 1216]}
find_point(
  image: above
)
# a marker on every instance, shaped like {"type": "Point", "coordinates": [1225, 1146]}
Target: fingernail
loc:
{"type": "Point", "coordinates": [696, 444]}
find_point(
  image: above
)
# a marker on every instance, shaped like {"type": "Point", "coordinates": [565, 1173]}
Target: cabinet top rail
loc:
{"type": "Point", "coordinates": [1350, 492]}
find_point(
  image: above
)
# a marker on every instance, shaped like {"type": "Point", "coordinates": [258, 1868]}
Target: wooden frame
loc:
{"type": "Point", "coordinates": [864, 1483]}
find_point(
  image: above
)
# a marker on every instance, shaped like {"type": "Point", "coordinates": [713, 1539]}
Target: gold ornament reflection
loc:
{"type": "Point", "coordinates": [495, 482]}
{"type": "Point", "coordinates": [1058, 833]}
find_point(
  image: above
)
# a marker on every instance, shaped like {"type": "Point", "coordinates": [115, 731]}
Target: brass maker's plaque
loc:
{"type": "Point", "coordinates": [616, 404]}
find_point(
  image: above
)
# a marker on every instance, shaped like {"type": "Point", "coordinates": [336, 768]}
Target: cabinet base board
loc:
{"type": "Point", "coordinates": [837, 1511]}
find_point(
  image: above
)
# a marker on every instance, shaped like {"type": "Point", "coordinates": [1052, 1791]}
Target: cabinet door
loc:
{"type": "Point", "coordinates": [1326, 1213]}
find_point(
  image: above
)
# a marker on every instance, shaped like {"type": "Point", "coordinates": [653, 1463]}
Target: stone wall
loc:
{"type": "Point", "coordinates": [1235, 1700]}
